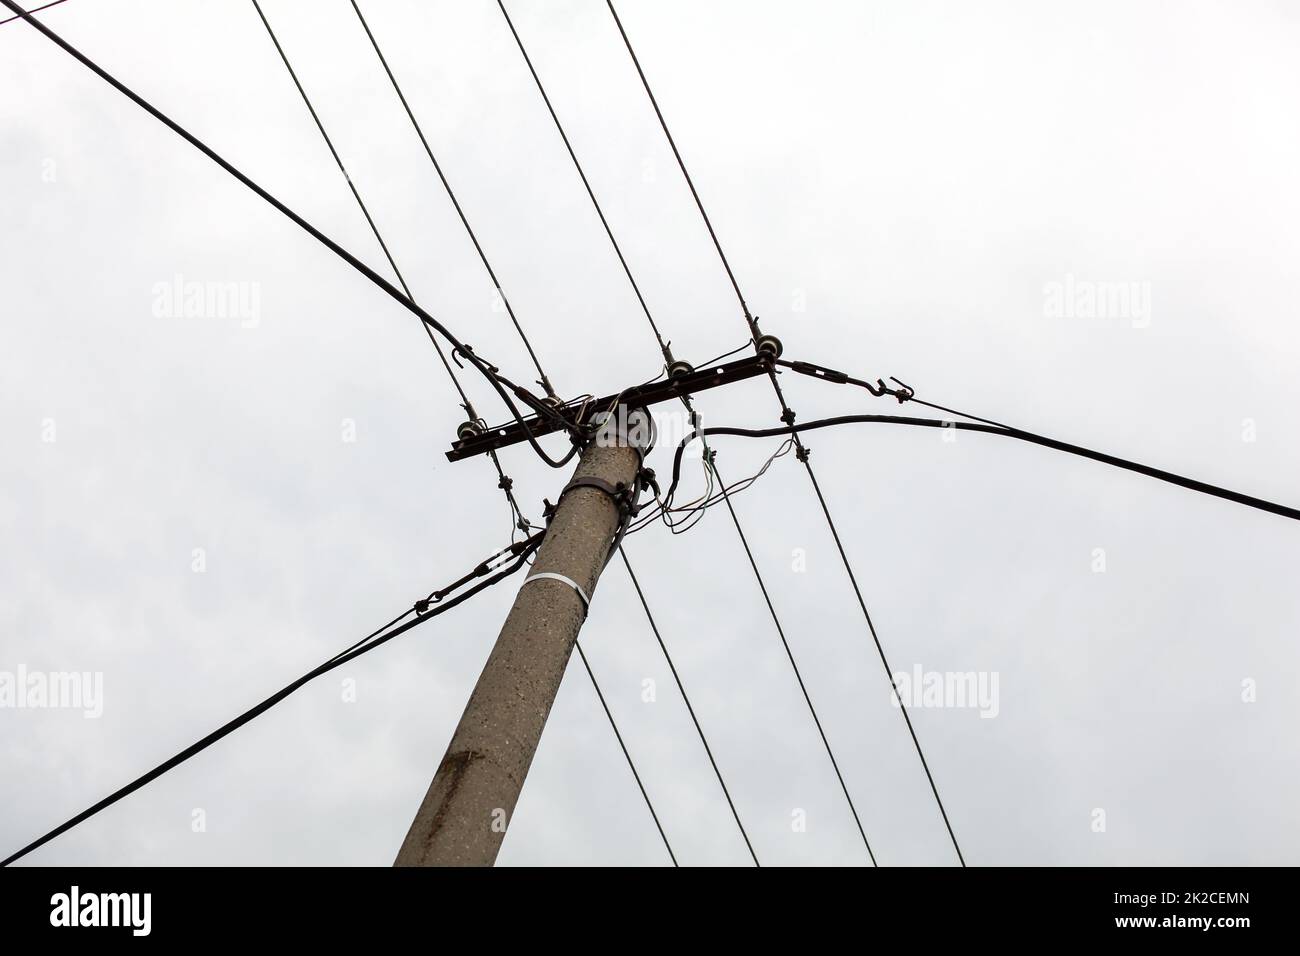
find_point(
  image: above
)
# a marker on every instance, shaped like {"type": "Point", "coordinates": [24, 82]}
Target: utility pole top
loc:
{"type": "Point", "coordinates": [474, 439]}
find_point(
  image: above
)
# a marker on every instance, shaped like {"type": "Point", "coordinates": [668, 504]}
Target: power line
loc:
{"type": "Point", "coordinates": [423, 611]}
{"type": "Point", "coordinates": [787, 415]}
{"type": "Point", "coordinates": [623, 746]}
{"type": "Point", "coordinates": [663, 346]}
{"type": "Point", "coordinates": [490, 372]}
{"type": "Point", "coordinates": [544, 382]}
{"type": "Point", "coordinates": [504, 482]}
{"type": "Point", "coordinates": [1174, 479]}
{"type": "Point", "coordinates": [687, 700]}
{"type": "Point", "coordinates": [664, 349]}
{"type": "Point", "coordinates": [767, 598]}
{"type": "Point", "coordinates": [710, 467]}
{"type": "Point", "coordinates": [689, 182]}
{"type": "Point", "coordinates": [33, 10]}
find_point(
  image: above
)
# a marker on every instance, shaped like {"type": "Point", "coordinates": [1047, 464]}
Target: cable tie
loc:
{"type": "Point", "coordinates": [563, 579]}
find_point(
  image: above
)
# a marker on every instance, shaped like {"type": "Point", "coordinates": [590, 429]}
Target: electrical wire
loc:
{"type": "Point", "coordinates": [787, 415]}
{"type": "Point", "coordinates": [696, 508]}
{"type": "Point", "coordinates": [803, 688]}
{"type": "Point", "coordinates": [1172, 478]}
{"type": "Point", "coordinates": [709, 464]}
{"type": "Point", "coordinates": [32, 10]}
{"type": "Point", "coordinates": [374, 639]}
{"type": "Point", "coordinates": [681, 163]}
{"type": "Point", "coordinates": [689, 708]}
{"type": "Point", "coordinates": [490, 372]}
{"type": "Point", "coordinates": [623, 746]}
{"type": "Point", "coordinates": [518, 520]}
{"type": "Point", "coordinates": [544, 381]}
{"type": "Point", "coordinates": [663, 346]}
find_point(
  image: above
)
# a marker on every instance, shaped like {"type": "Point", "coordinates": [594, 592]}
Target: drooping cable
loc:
{"type": "Point", "coordinates": [375, 639]}
{"type": "Point", "coordinates": [1172, 478]}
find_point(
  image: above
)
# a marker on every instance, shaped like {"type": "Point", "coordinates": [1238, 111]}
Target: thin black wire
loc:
{"type": "Point", "coordinates": [33, 10]}
{"type": "Point", "coordinates": [487, 370]}
{"type": "Point", "coordinates": [798, 675]}
{"type": "Point", "coordinates": [374, 639]}
{"type": "Point", "coordinates": [545, 382]}
{"type": "Point", "coordinates": [883, 659]}
{"type": "Point", "coordinates": [689, 182]}
{"type": "Point", "coordinates": [801, 451]}
{"type": "Point", "coordinates": [631, 765]}
{"type": "Point", "coordinates": [802, 454]}
{"type": "Point", "coordinates": [504, 483]}
{"type": "Point", "coordinates": [690, 409]}
{"type": "Point", "coordinates": [663, 346]}
{"type": "Point", "coordinates": [686, 698]}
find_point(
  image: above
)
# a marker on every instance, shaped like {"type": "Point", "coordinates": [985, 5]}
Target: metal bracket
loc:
{"type": "Point", "coordinates": [641, 396]}
{"type": "Point", "coordinates": [618, 493]}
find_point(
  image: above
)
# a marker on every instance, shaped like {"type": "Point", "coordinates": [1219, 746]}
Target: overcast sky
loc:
{"type": "Point", "coordinates": [900, 188]}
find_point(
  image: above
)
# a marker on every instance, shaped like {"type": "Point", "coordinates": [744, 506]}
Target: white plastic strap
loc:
{"type": "Point", "coordinates": [556, 576]}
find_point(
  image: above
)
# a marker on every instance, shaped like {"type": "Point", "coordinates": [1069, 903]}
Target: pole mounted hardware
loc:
{"type": "Point", "coordinates": [473, 438]}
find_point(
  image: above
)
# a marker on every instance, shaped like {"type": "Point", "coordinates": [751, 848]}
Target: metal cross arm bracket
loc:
{"type": "Point", "coordinates": [480, 441]}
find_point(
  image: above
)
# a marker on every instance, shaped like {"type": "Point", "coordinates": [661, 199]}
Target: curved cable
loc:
{"type": "Point", "coordinates": [1182, 481]}
{"type": "Point", "coordinates": [367, 644]}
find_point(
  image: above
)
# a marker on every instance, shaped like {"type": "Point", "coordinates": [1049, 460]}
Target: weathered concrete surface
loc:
{"type": "Point", "coordinates": [472, 798]}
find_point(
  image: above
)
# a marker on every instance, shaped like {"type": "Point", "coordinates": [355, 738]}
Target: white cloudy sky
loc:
{"type": "Point", "coordinates": [912, 174]}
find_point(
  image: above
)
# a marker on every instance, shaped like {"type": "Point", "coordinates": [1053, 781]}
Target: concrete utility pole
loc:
{"type": "Point", "coordinates": [463, 818]}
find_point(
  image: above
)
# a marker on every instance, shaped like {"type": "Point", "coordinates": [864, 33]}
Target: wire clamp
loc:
{"type": "Point", "coordinates": [902, 393]}
{"type": "Point", "coordinates": [563, 579]}
{"type": "Point", "coordinates": [619, 493]}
